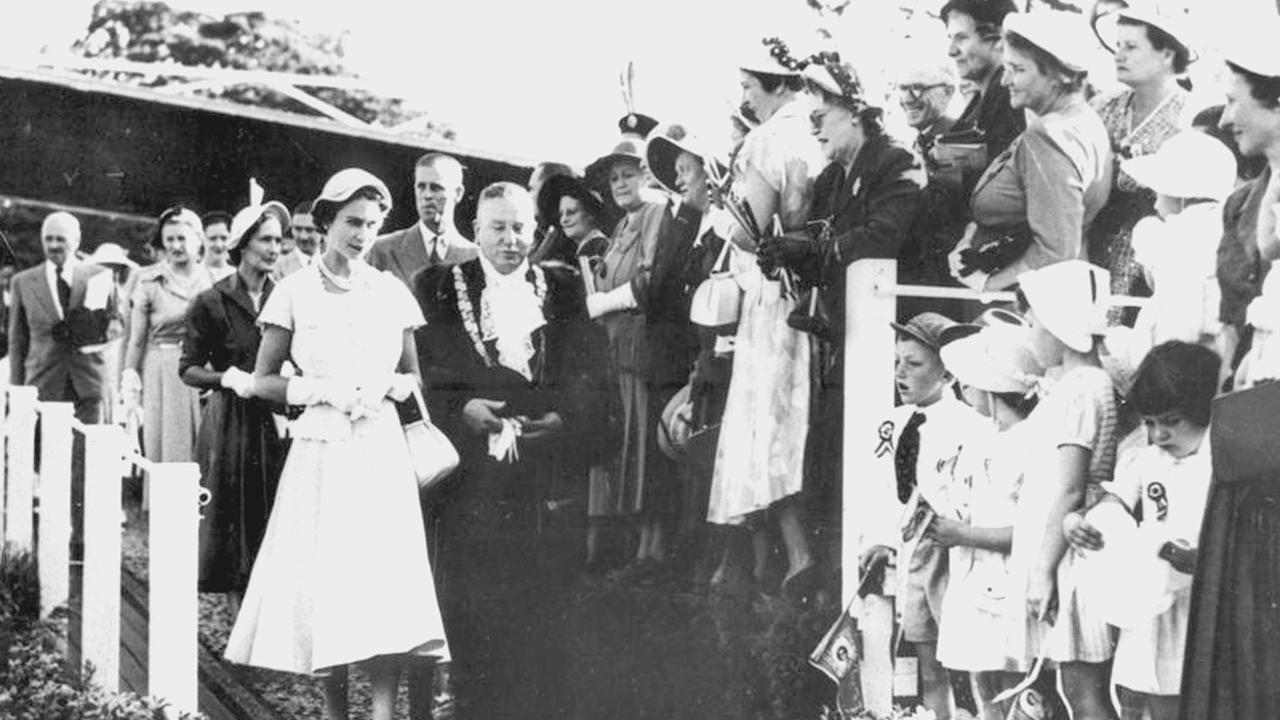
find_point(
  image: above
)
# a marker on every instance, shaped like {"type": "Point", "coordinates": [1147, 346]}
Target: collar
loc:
{"type": "Point", "coordinates": [497, 280]}
{"type": "Point", "coordinates": [69, 266]}
{"type": "Point", "coordinates": [428, 233]}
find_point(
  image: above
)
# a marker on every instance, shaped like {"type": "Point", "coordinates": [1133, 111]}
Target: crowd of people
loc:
{"type": "Point", "coordinates": [649, 357]}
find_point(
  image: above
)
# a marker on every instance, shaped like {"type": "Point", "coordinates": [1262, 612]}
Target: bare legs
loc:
{"type": "Point", "coordinates": [794, 538]}
{"type": "Point", "coordinates": [935, 683]}
{"type": "Point", "coordinates": [384, 677]}
{"type": "Point", "coordinates": [652, 545]}
{"type": "Point", "coordinates": [986, 686]}
{"type": "Point", "coordinates": [1087, 687]}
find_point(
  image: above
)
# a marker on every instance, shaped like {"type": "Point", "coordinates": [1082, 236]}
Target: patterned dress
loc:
{"type": "Point", "coordinates": [1110, 235]}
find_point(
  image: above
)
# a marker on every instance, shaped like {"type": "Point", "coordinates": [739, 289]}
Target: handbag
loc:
{"type": "Point", "coordinates": [718, 299]}
{"type": "Point", "coordinates": [432, 455]}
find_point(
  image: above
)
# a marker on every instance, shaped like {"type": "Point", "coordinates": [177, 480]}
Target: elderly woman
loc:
{"type": "Point", "coordinates": [1151, 54]}
{"type": "Point", "coordinates": [239, 449]}
{"type": "Point", "coordinates": [635, 304]}
{"type": "Point", "coordinates": [157, 329]}
{"type": "Point", "coordinates": [1031, 206]}
{"type": "Point", "coordinates": [759, 461]}
{"type": "Point", "coordinates": [321, 596]}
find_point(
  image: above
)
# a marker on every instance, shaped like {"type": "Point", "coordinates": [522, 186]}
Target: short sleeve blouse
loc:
{"type": "Point", "coordinates": [348, 335]}
{"type": "Point", "coordinates": [1081, 410]}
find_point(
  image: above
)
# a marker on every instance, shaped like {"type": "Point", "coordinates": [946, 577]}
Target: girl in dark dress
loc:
{"type": "Point", "coordinates": [239, 449]}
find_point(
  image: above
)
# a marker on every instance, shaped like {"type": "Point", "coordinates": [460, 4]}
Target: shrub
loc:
{"type": "Point", "coordinates": [19, 586]}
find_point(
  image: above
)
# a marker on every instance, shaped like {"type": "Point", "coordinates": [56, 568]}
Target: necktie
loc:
{"type": "Point", "coordinates": [908, 452]}
{"type": "Point", "coordinates": [64, 288]}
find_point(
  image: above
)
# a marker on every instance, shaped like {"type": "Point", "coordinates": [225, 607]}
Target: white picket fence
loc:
{"type": "Point", "coordinates": [173, 610]}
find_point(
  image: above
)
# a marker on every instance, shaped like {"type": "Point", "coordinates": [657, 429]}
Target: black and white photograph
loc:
{"type": "Point", "coordinates": [657, 360]}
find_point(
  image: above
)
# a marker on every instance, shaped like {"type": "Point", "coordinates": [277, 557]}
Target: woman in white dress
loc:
{"type": "Point", "coordinates": [342, 576]}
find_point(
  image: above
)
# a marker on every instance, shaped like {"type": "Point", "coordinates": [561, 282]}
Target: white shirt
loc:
{"type": "Point", "coordinates": [51, 276]}
{"type": "Point", "coordinates": [515, 311]}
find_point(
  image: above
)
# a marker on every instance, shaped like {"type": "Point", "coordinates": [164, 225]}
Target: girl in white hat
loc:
{"type": "Point", "coordinates": [1076, 423]}
{"type": "Point", "coordinates": [1165, 484]}
{"type": "Point", "coordinates": [1191, 175]}
{"type": "Point", "coordinates": [982, 629]}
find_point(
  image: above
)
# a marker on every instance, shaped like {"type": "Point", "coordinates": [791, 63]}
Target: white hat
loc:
{"type": "Point", "coordinates": [109, 253]}
{"type": "Point", "coordinates": [246, 218]}
{"type": "Point", "coordinates": [1190, 164]}
{"type": "Point", "coordinates": [1252, 44]}
{"type": "Point", "coordinates": [346, 182]}
{"type": "Point", "coordinates": [1057, 33]}
{"type": "Point", "coordinates": [1171, 19]}
{"type": "Point", "coordinates": [1071, 299]}
{"type": "Point", "coordinates": [768, 57]}
{"type": "Point", "coordinates": [997, 359]}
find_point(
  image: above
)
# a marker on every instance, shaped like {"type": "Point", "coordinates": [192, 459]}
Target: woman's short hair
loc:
{"type": "Point", "coordinates": [234, 253]}
{"type": "Point", "coordinates": [176, 215]}
{"type": "Point", "coordinates": [1264, 88]}
{"type": "Point", "coordinates": [770, 82]}
{"type": "Point", "coordinates": [1209, 121]}
{"type": "Point", "coordinates": [1161, 40]}
{"type": "Point", "coordinates": [1176, 376]}
{"type": "Point", "coordinates": [987, 15]}
{"type": "Point", "coordinates": [1047, 64]}
{"type": "Point", "coordinates": [323, 211]}
{"type": "Point", "coordinates": [215, 217]}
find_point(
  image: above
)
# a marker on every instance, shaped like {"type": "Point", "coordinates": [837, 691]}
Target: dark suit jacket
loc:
{"type": "Point", "coordinates": [991, 113]}
{"type": "Point", "coordinates": [37, 354]}
{"type": "Point", "coordinates": [663, 297]}
{"type": "Point", "coordinates": [403, 254]}
{"type": "Point", "coordinates": [222, 327]}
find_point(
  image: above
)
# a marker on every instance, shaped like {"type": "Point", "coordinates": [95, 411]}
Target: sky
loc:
{"type": "Point", "coordinates": [538, 79]}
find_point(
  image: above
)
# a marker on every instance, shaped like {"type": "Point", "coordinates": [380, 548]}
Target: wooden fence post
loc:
{"type": "Point", "coordinates": [100, 618]}
{"type": "Point", "coordinates": [56, 438]}
{"type": "Point", "coordinates": [19, 527]}
{"type": "Point", "coordinates": [174, 606]}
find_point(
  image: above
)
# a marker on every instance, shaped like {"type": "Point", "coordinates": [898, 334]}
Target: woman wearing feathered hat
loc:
{"type": "Point", "coordinates": [760, 457]}
{"type": "Point", "coordinates": [648, 347]}
{"type": "Point", "coordinates": [239, 449]}
{"type": "Point", "coordinates": [342, 576]}
{"type": "Point", "coordinates": [1032, 204]}
{"type": "Point", "coordinates": [157, 329]}
{"type": "Point", "coordinates": [1152, 52]}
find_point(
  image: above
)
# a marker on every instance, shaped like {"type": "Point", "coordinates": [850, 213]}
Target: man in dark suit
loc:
{"type": "Point", "coordinates": [498, 359]}
{"type": "Point", "coordinates": [433, 240]}
{"type": "Point", "coordinates": [57, 323]}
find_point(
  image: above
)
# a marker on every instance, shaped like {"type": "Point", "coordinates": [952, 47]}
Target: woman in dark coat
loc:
{"type": "Point", "coordinates": [239, 449]}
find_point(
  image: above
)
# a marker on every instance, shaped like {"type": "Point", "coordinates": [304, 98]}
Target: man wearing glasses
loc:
{"type": "Point", "coordinates": [925, 91]}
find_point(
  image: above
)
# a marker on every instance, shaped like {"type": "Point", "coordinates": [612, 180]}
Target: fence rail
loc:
{"type": "Point", "coordinates": [107, 457]}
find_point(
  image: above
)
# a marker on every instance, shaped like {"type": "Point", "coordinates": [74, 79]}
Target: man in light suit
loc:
{"type": "Point", "coordinates": [56, 328]}
{"type": "Point", "coordinates": [433, 240]}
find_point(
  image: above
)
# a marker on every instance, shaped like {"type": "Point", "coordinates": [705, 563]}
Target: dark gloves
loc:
{"type": "Point", "coordinates": [793, 252]}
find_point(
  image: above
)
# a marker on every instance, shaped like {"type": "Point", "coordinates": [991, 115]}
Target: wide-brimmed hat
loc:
{"type": "Point", "coordinates": [927, 327]}
{"type": "Point", "coordinates": [1071, 299]}
{"type": "Point", "coordinates": [344, 183]}
{"type": "Point", "coordinates": [629, 150]}
{"type": "Point", "coordinates": [1190, 164]}
{"type": "Point", "coordinates": [662, 153]}
{"type": "Point", "coordinates": [637, 125]}
{"type": "Point", "coordinates": [1252, 43]}
{"type": "Point", "coordinates": [1173, 21]}
{"type": "Point", "coordinates": [995, 359]}
{"type": "Point", "coordinates": [770, 56]}
{"type": "Point", "coordinates": [837, 78]}
{"type": "Point", "coordinates": [109, 253]}
{"type": "Point", "coordinates": [561, 186]}
{"type": "Point", "coordinates": [1056, 33]}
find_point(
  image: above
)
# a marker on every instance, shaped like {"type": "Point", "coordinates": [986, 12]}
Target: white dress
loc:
{"type": "Point", "coordinates": [760, 456]}
{"type": "Point", "coordinates": [343, 574]}
{"type": "Point", "coordinates": [1180, 254]}
{"type": "Point", "coordinates": [1172, 494]}
{"type": "Point", "coordinates": [980, 634]}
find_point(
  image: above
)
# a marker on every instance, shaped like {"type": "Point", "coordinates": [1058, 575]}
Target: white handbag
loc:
{"type": "Point", "coordinates": [718, 299]}
{"type": "Point", "coordinates": [432, 455]}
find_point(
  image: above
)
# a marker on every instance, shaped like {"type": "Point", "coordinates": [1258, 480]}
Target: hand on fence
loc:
{"type": "Point", "coordinates": [238, 381]}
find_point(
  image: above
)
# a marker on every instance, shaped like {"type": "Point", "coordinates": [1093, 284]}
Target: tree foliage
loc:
{"type": "Point", "coordinates": [152, 32]}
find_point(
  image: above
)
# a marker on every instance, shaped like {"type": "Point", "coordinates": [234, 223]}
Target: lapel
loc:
{"type": "Point", "coordinates": [43, 295]}
{"type": "Point", "coordinates": [854, 183]}
{"type": "Point", "coordinates": [234, 290]}
{"type": "Point", "coordinates": [410, 254]}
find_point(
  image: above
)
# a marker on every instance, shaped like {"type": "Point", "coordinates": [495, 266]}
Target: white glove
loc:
{"type": "Point", "coordinates": [238, 381]}
{"type": "Point", "coordinates": [953, 258]}
{"type": "Point", "coordinates": [130, 387]}
{"type": "Point", "coordinates": [402, 386]}
{"type": "Point", "coordinates": [617, 299]}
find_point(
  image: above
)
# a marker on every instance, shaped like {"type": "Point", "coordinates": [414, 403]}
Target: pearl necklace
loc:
{"type": "Point", "coordinates": [342, 283]}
